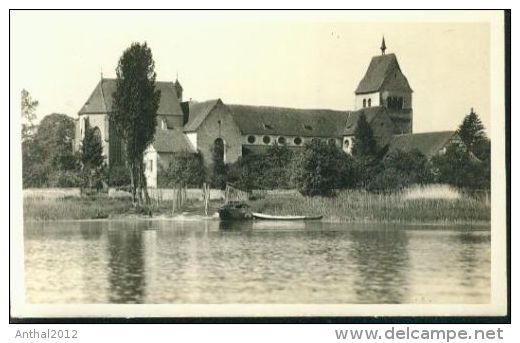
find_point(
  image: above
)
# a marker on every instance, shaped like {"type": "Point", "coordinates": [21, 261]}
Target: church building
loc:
{"type": "Point", "coordinates": [383, 95]}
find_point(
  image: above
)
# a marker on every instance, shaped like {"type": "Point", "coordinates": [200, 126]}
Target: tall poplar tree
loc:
{"type": "Point", "coordinates": [134, 115]}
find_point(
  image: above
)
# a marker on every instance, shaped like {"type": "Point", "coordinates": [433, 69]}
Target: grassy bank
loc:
{"type": "Point", "coordinates": [101, 206]}
{"type": "Point", "coordinates": [59, 208]}
{"type": "Point", "coordinates": [359, 206]}
{"type": "Point", "coordinates": [418, 205]}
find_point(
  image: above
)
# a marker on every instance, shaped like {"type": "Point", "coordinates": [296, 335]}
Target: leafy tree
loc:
{"type": "Point", "coordinates": [91, 156]}
{"type": "Point", "coordinates": [55, 137]}
{"type": "Point", "coordinates": [319, 169]}
{"type": "Point", "coordinates": [401, 169]}
{"type": "Point", "coordinates": [134, 116]}
{"type": "Point", "coordinates": [28, 115]}
{"type": "Point", "coordinates": [460, 168]}
{"type": "Point", "coordinates": [263, 171]}
{"type": "Point", "coordinates": [364, 142]}
{"type": "Point", "coordinates": [187, 169]}
{"type": "Point", "coordinates": [471, 132]}
{"type": "Point", "coordinates": [49, 151]}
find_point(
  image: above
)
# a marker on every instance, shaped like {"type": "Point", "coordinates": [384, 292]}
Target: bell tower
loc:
{"type": "Point", "coordinates": [385, 85]}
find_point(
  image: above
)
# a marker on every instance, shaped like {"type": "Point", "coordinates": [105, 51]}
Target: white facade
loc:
{"type": "Point", "coordinates": [150, 166]}
{"type": "Point", "coordinates": [192, 137]}
{"type": "Point", "coordinates": [367, 100]}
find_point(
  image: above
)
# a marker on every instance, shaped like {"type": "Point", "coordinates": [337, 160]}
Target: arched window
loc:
{"type": "Point", "coordinates": [219, 152]}
{"type": "Point", "coordinates": [332, 141]}
{"type": "Point", "coordinates": [346, 143]}
{"type": "Point", "coordinates": [266, 139]}
{"type": "Point", "coordinates": [251, 139]}
{"type": "Point", "coordinates": [281, 140]}
{"type": "Point", "coordinates": [369, 102]}
{"type": "Point", "coordinates": [364, 103]}
{"type": "Point", "coordinates": [297, 141]}
{"type": "Point", "coordinates": [97, 134]}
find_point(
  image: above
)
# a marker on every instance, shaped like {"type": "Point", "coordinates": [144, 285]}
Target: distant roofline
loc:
{"type": "Point", "coordinates": [293, 108]}
{"type": "Point", "coordinates": [114, 79]}
{"type": "Point", "coordinates": [424, 133]}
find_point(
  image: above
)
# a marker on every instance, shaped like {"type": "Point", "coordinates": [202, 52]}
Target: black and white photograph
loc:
{"type": "Point", "coordinates": [191, 164]}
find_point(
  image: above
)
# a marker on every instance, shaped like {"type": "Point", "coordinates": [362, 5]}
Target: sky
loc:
{"type": "Point", "coordinates": [290, 59]}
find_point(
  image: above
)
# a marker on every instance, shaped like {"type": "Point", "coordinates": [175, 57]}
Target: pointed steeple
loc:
{"type": "Point", "coordinates": [383, 46]}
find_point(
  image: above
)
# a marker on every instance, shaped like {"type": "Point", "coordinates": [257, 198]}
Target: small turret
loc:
{"type": "Point", "coordinates": [178, 89]}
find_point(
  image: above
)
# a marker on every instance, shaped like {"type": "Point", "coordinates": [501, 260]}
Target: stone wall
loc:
{"type": "Point", "coordinates": [219, 124]}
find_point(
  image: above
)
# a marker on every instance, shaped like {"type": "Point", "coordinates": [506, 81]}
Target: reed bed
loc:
{"type": "Point", "coordinates": [360, 206]}
{"type": "Point", "coordinates": [63, 208]}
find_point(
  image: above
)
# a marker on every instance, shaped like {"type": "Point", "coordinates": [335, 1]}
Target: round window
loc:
{"type": "Point", "coordinates": [266, 139]}
{"type": "Point", "coordinates": [251, 139]}
{"type": "Point", "coordinates": [297, 141]}
{"type": "Point", "coordinates": [281, 140]}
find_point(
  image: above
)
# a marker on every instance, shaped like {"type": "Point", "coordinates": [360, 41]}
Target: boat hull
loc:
{"type": "Point", "coordinates": [235, 211]}
{"type": "Point", "coordinates": [263, 216]}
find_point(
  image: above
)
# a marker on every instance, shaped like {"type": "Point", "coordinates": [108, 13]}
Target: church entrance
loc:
{"type": "Point", "coordinates": [219, 151]}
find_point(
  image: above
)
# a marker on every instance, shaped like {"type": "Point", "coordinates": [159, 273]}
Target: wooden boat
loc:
{"type": "Point", "coordinates": [235, 210]}
{"type": "Point", "coordinates": [263, 216]}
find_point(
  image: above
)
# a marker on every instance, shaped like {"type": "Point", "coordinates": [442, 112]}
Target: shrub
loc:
{"type": "Point", "coordinates": [400, 169]}
{"type": "Point", "coordinates": [185, 168]}
{"type": "Point", "coordinates": [460, 168]}
{"type": "Point", "coordinates": [319, 169]}
{"type": "Point", "coordinates": [263, 171]}
{"type": "Point", "coordinates": [119, 176]}
{"type": "Point", "coordinates": [65, 178]}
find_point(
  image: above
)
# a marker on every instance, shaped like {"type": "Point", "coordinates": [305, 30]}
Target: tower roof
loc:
{"type": "Point", "coordinates": [380, 68]}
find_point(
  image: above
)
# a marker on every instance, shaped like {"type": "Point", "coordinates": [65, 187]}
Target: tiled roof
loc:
{"type": "Point", "coordinates": [100, 101]}
{"type": "Point", "coordinates": [288, 121]}
{"type": "Point", "coordinates": [197, 112]}
{"type": "Point", "coordinates": [377, 73]}
{"type": "Point", "coordinates": [172, 141]}
{"type": "Point", "coordinates": [429, 143]}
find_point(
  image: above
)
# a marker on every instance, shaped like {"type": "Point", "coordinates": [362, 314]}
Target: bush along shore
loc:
{"type": "Point", "coordinates": [432, 204]}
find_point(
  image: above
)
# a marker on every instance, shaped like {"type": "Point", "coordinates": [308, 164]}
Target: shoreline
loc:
{"type": "Point", "coordinates": [214, 218]}
{"type": "Point", "coordinates": [348, 207]}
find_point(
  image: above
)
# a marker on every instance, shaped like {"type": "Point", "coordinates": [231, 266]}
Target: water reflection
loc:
{"type": "Point", "coordinates": [90, 230]}
{"type": "Point", "coordinates": [381, 257]}
{"type": "Point", "coordinates": [126, 262]}
{"type": "Point", "coordinates": [471, 260]}
{"type": "Point", "coordinates": [254, 262]}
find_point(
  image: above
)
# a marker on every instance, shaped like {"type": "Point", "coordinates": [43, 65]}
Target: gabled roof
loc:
{"type": "Point", "coordinates": [429, 143]}
{"type": "Point", "coordinates": [172, 141]}
{"type": "Point", "coordinates": [100, 101]}
{"type": "Point", "coordinates": [197, 112]}
{"type": "Point", "coordinates": [377, 73]}
{"type": "Point", "coordinates": [266, 120]}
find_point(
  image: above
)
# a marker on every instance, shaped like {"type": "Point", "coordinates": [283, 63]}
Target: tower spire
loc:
{"type": "Point", "coordinates": [383, 46]}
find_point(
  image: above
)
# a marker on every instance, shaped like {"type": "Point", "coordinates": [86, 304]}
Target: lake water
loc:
{"type": "Point", "coordinates": [254, 262]}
